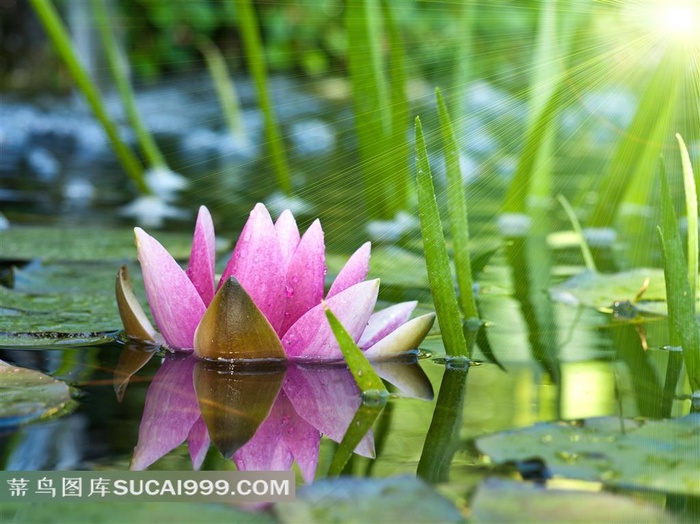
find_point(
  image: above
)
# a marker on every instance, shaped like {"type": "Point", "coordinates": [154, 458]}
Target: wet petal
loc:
{"type": "Point", "coordinates": [258, 265]}
{"type": "Point", "coordinates": [302, 439]}
{"type": "Point", "coordinates": [135, 322]}
{"type": "Point", "coordinates": [311, 337]}
{"type": "Point", "coordinates": [169, 412]}
{"type": "Point", "coordinates": [354, 271]}
{"type": "Point", "coordinates": [233, 328]}
{"type": "Point", "coordinates": [198, 443]}
{"type": "Point", "coordinates": [288, 235]}
{"type": "Point", "coordinates": [384, 322]}
{"type": "Point", "coordinates": [305, 276]}
{"type": "Point", "coordinates": [409, 378]}
{"type": "Point", "coordinates": [200, 269]}
{"type": "Point", "coordinates": [327, 398]}
{"type": "Point", "coordinates": [175, 303]}
{"type": "Point", "coordinates": [398, 342]}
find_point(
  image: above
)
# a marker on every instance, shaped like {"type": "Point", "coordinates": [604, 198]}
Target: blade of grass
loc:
{"type": "Point", "coordinates": [224, 85]}
{"type": "Point", "coordinates": [585, 250]}
{"type": "Point", "coordinates": [255, 60]}
{"type": "Point", "coordinates": [457, 206]}
{"type": "Point", "coordinates": [436, 259]}
{"type": "Point", "coordinates": [683, 324]}
{"type": "Point", "coordinates": [691, 208]}
{"type": "Point", "coordinates": [59, 37]}
{"type": "Point", "coordinates": [117, 67]}
{"type": "Point", "coordinates": [361, 423]}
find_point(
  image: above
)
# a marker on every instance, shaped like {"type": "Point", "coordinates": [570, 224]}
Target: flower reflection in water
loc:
{"type": "Point", "coordinates": [262, 418]}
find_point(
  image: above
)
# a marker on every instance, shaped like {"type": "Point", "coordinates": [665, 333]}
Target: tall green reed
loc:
{"type": "Point", "coordinates": [255, 58]}
{"type": "Point", "coordinates": [61, 41]}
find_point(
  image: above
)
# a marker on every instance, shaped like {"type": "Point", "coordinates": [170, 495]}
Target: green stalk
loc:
{"type": "Point", "coordinates": [457, 205]}
{"type": "Point", "coordinates": [691, 207]}
{"type": "Point", "coordinates": [463, 63]}
{"type": "Point", "coordinates": [116, 62]}
{"type": "Point", "coordinates": [59, 37]}
{"type": "Point", "coordinates": [436, 259]}
{"type": "Point", "coordinates": [224, 85]}
{"type": "Point", "coordinates": [255, 59]}
{"type": "Point", "coordinates": [585, 250]}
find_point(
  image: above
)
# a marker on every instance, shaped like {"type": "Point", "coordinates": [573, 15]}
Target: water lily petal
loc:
{"type": "Point", "coordinates": [200, 269]}
{"type": "Point", "coordinates": [170, 411]}
{"type": "Point", "coordinates": [398, 342]}
{"type": "Point", "coordinates": [384, 322]}
{"type": "Point", "coordinates": [302, 439]}
{"type": "Point", "coordinates": [354, 271]}
{"type": "Point", "coordinates": [135, 322]}
{"type": "Point", "coordinates": [174, 300]}
{"type": "Point", "coordinates": [327, 398]}
{"type": "Point", "coordinates": [311, 337]}
{"type": "Point", "coordinates": [305, 276]}
{"type": "Point", "coordinates": [409, 378]}
{"type": "Point", "coordinates": [198, 443]}
{"type": "Point", "coordinates": [288, 235]}
{"type": "Point", "coordinates": [233, 328]}
{"type": "Point", "coordinates": [258, 265]}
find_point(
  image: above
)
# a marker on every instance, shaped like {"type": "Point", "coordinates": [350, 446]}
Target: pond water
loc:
{"type": "Point", "coordinates": [538, 360]}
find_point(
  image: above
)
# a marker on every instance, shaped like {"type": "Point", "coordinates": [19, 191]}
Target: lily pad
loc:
{"type": "Point", "coordinates": [660, 455]}
{"type": "Point", "coordinates": [602, 290]}
{"type": "Point", "coordinates": [347, 499]}
{"type": "Point", "coordinates": [61, 304]}
{"type": "Point", "coordinates": [509, 501]}
{"type": "Point", "coordinates": [81, 243]}
{"type": "Point", "coordinates": [27, 395]}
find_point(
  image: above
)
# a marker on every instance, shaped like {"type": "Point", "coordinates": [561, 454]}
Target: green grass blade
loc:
{"type": "Point", "coordinates": [436, 259]}
{"type": "Point", "coordinates": [255, 59]}
{"type": "Point", "coordinates": [59, 37]}
{"type": "Point", "coordinates": [691, 207]}
{"type": "Point", "coordinates": [585, 250]}
{"type": "Point", "coordinates": [361, 423]}
{"type": "Point", "coordinates": [683, 324]}
{"type": "Point", "coordinates": [117, 67]}
{"type": "Point", "coordinates": [457, 205]}
{"type": "Point", "coordinates": [224, 85]}
{"type": "Point", "coordinates": [466, 14]}
{"type": "Point", "coordinates": [361, 369]}
{"type": "Point", "coordinates": [370, 102]}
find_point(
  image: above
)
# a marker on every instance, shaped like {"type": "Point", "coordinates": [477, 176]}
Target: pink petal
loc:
{"type": "Point", "coordinates": [302, 439]}
{"type": "Point", "coordinates": [170, 411]}
{"type": "Point", "coordinates": [288, 235]}
{"type": "Point", "coordinates": [354, 271]}
{"type": "Point", "coordinates": [175, 303]}
{"type": "Point", "coordinates": [327, 398]}
{"type": "Point", "coordinates": [203, 256]}
{"type": "Point", "coordinates": [198, 443]}
{"type": "Point", "coordinates": [384, 322]}
{"type": "Point", "coordinates": [401, 340]}
{"type": "Point", "coordinates": [258, 265]}
{"type": "Point", "coordinates": [311, 337]}
{"type": "Point", "coordinates": [305, 276]}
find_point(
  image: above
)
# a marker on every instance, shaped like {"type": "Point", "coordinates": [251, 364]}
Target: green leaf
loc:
{"type": "Point", "coordinates": [361, 423]}
{"type": "Point", "coordinates": [27, 395]}
{"type": "Point", "coordinates": [617, 452]}
{"type": "Point", "coordinates": [585, 249]}
{"type": "Point", "coordinates": [361, 369]}
{"type": "Point", "coordinates": [349, 499]}
{"type": "Point", "coordinates": [437, 261]}
{"type": "Point", "coordinates": [691, 208]}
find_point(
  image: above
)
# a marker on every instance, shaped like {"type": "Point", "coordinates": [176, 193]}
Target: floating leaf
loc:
{"type": "Point", "coordinates": [509, 501]}
{"type": "Point", "coordinates": [27, 395]}
{"type": "Point", "coordinates": [393, 499]}
{"type": "Point", "coordinates": [654, 454]}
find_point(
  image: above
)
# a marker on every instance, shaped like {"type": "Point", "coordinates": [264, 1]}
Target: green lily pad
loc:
{"type": "Point", "coordinates": [81, 243]}
{"type": "Point", "coordinates": [509, 501]}
{"type": "Point", "coordinates": [660, 455]}
{"type": "Point", "coordinates": [27, 395]}
{"type": "Point", "coordinates": [601, 290]}
{"type": "Point", "coordinates": [347, 499]}
{"type": "Point", "coordinates": [61, 304]}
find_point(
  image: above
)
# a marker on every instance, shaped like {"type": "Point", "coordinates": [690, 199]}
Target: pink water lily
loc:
{"type": "Point", "coordinates": [269, 302]}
